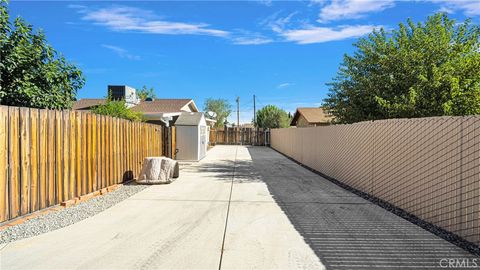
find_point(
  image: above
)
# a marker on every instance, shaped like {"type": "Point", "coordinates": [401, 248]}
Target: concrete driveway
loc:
{"type": "Point", "coordinates": [239, 208]}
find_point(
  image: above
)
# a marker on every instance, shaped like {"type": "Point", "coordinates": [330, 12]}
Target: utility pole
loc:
{"type": "Point", "coordinates": [238, 120]}
{"type": "Point", "coordinates": [238, 112]}
{"type": "Point", "coordinates": [255, 121]}
{"type": "Point", "coordinates": [254, 111]}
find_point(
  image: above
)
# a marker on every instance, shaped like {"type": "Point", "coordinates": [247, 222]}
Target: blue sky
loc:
{"type": "Point", "coordinates": [282, 51]}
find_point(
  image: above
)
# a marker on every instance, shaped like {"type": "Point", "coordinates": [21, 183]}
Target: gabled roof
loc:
{"type": "Point", "coordinates": [312, 115]}
{"type": "Point", "coordinates": [87, 103]}
{"type": "Point", "coordinates": [155, 106]}
{"type": "Point", "coordinates": [190, 119]}
{"type": "Point", "coordinates": [164, 106]}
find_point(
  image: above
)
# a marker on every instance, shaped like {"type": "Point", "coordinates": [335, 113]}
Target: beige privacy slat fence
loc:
{"type": "Point", "coordinates": [47, 156]}
{"type": "Point", "coordinates": [429, 167]}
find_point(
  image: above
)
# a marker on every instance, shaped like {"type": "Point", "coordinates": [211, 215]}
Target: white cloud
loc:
{"type": "Point", "coordinates": [276, 23]}
{"type": "Point", "coordinates": [243, 37]}
{"type": "Point", "coordinates": [267, 3]}
{"type": "Point", "coordinates": [317, 2]}
{"type": "Point", "coordinates": [251, 40]}
{"type": "Point", "coordinates": [313, 34]}
{"type": "Point", "coordinates": [284, 85]}
{"type": "Point", "coordinates": [75, 6]}
{"type": "Point", "coordinates": [123, 18]}
{"type": "Point", "coordinates": [121, 52]}
{"type": "Point", "coordinates": [131, 19]}
{"type": "Point", "coordinates": [352, 9]}
{"type": "Point", "coordinates": [445, 10]}
{"type": "Point", "coordinates": [469, 7]}
{"type": "Point", "coordinates": [305, 33]}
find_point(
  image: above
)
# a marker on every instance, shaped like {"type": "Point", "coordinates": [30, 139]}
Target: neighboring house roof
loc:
{"type": "Point", "coordinates": [154, 106]}
{"type": "Point", "coordinates": [165, 106]}
{"type": "Point", "coordinates": [190, 119]}
{"type": "Point", "coordinates": [87, 103]}
{"type": "Point", "coordinates": [247, 125]}
{"type": "Point", "coordinates": [312, 115]}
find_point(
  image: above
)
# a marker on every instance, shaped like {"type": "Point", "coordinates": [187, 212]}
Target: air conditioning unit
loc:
{"type": "Point", "coordinates": [119, 92]}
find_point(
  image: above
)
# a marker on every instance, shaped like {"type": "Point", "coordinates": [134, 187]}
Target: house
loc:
{"type": "Point", "coordinates": [156, 111]}
{"type": "Point", "coordinates": [311, 117]}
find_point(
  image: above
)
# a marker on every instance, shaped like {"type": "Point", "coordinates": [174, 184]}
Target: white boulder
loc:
{"type": "Point", "coordinates": [158, 170]}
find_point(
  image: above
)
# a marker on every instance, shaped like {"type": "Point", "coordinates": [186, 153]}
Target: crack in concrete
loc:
{"type": "Point", "coordinates": [228, 209]}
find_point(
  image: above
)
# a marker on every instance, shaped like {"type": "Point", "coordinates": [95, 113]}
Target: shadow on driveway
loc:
{"type": "Point", "coordinates": [344, 230]}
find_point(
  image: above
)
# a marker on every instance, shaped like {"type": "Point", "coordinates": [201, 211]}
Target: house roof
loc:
{"type": "Point", "coordinates": [155, 106]}
{"type": "Point", "coordinates": [312, 115]}
{"type": "Point", "coordinates": [164, 105]}
{"type": "Point", "coordinates": [247, 125]}
{"type": "Point", "coordinates": [190, 119]}
{"type": "Point", "coordinates": [210, 120]}
{"type": "Point", "coordinates": [87, 103]}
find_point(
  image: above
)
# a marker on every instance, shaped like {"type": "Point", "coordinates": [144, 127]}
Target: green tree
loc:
{"type": "Point", "coordinates": [117, 108]}
{"type": "Point", "coordinates": [271, 116]}
{"type": "Point", "coordinates": [33, 74]}
{"type": "Point", "coordinates": [145, 93]}
{"type": "Point", "coordinates": [418, 70]}
{"type": "Point", "coordinates": [220, 107]}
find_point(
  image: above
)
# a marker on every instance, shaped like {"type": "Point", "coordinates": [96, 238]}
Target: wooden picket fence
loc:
{"type": "Point", "coordinates": [48, 156]}
{"type": "Point", "coordinates": [243, 136]}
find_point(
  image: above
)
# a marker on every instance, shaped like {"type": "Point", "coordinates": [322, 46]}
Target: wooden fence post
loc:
{"type": "Point", "coordinates": [4, 163]}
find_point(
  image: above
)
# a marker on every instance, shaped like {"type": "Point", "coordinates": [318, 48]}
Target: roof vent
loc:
{"type": "Point", "coordinates": [149, 99]}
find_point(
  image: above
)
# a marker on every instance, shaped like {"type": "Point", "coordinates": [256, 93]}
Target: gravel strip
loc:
{"type": "Point", "coordinates": [62, 218]}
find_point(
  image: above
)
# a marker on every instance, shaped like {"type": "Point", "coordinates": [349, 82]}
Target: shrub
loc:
{"type": "Point", "coordinates": [118, 108]}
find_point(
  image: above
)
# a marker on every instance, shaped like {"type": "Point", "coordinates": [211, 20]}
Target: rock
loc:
{"type": "Point", "coordinates": [158, 170]}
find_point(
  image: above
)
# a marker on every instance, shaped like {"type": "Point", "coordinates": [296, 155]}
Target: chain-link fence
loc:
{"type": "Point", "coordinates": [429, 167]}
